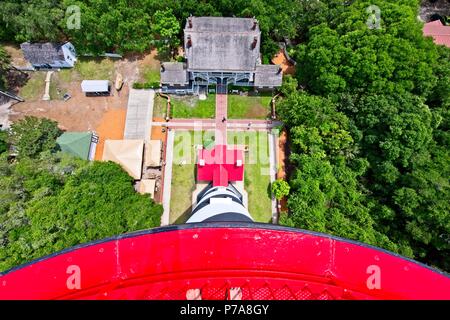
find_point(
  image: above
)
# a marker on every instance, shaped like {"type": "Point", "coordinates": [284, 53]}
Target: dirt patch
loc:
{"type": "Point", "coordinates": [111, 126]}
{"type": "Point", "coordinates": [256, 112]}
{"type": "Point", "coordinates": [158, 134]}
{"type": "Point", "coordinates": [281, 174]}
{"type": "Point", "coordinates": [17, 57]}
{"type": "Point", "coordinates": [150, 59]}
{"type": "Point", "coordinates": [104, 115]}
{"type": "Point", "coordinates": [80, 113]}
{"type": "Point", "coordinates": [282, 60]}
{"type": "Point", "coordinates": [148, 62]}
{"type": "Point", "coordinates": [157, 131]}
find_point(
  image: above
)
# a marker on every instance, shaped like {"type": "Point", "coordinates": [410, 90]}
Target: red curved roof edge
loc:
{"type": "Point", "coordinates": [265, 261]}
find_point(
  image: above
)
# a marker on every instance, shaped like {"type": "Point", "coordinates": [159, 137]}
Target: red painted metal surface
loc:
{"type": "Point", "coordinates": [220, 165]}
{"type": "Point", "coordinates": [266, 262]}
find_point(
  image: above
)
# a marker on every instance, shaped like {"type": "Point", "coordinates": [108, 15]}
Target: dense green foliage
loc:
{"type": "Point", "coordinates": [166, 28]}
{"type": "Point", "coordinates": [132, 25]}
{"type": "Point", "coordinates": [280, 189]}
{"type": "Point", "coordinates": [3, 141]}
{"type": "Point", "coordinates": [32, 135]}
{"type": "Point", "coordinates": [370, 132]}
{"type": "Point", "coordinates": [4, 67]}
{"type": "Point", "coordinates": [51, 201]}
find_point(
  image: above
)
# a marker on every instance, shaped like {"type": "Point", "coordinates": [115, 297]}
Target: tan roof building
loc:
{"type": "Point", "coordinates": [147, 186]}
{"type": "Point", "coordinates": [153, 153]}
{"type": "Point", "coordinates": [127, 153]}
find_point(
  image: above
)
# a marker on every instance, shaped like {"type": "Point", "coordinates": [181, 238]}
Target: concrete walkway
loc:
{"type": "Point", "coordinates": [139, 112]}
{"type": "Point", "coordinates": [46, 96]}
{"type": "Point", "coordinates": [273, 170]}
{"type": "Point", "coordinates": [165, 218]}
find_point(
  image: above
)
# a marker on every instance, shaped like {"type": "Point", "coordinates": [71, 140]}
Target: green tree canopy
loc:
{"type": "Point", "coordinates": [33, 135]}
{"type": "Point", "coordinates": [4, 67]}
{"type": "Point", "coordinates": [280, 189]}
{"type": "Point", "coordinates": [3, 141]}
{"type": "Point", "coordinates": [56, 201]}
{"type": "Point", "coordinates": [166, 29]}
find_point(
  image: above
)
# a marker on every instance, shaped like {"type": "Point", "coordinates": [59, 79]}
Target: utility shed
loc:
{"type": "Point", "coordinates": [174, 73]}
{"type": "Point", "coordinates": [93, 86]}
{"type": "Point", "coordinates": [268, 76]}
{"type": "Point", "coordinates": [222, 44]}
{"type": "Point", "coordinates": [77, 144]}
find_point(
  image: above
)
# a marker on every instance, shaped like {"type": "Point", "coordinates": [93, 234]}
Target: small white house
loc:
{"type": "Point", "coordinates": [96, 87]}
{"type": "Point", "coordinates": [49, 55]}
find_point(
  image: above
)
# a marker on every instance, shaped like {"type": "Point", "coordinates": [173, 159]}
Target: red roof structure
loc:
{"type": "Point", "coordinates": [265, 261]}
{"type": "Point", "coordinates": [220, 165]}
{"type": "Point", "coordinates": [439, 32]}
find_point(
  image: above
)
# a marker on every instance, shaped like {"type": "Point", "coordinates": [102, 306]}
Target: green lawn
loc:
{"type": "Point", "coordinates": [239, 107]}
{"type": "Point", "coordinates": [256, 178]}
{"type": "Point", "coordinates": [183, 177]}
{"type": "Point", "coordinates": [248, 107]}
{"type": "Point", "coordinates": [94, 68]}
{"type": "Point", "coordinates": [159, 107]}
{"type": "Point", "coordinates": [256, 174]}
{"type": "Point", "coordinates": [35, 87]}
{"type": "Point", "coordinates": [192, 107]}
{"type": "Point", "coordinates": [183, 184]}
{"type": "Point", "coordinates": [185, 107]}
{"type": "Point", "coordinates": [150, 74]}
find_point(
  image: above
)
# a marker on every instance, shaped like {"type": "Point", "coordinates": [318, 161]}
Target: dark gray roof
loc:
{"type": "Point", "coordinates": [221, 24]}
{"type": "Point", "coordinates": [268, 76]}
{"type": "Point", "coordinates": [174, 73]}
{"type": "Point", "coordinates": [218, 43]}
{"type": "Point", "coordinates": [42, 53]}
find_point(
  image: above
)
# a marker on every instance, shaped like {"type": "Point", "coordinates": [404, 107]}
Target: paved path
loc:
{"type": "Point", "coordinates": [241, 121]}
{"type": "Point", "coordinates": [209, 124]}
{"type": "Point", "coordinates": [272, 137]}
{"type": "Point", "coordinates": [139, 111]}
{"type": "Point", "coordinates": [167, 178]}
{"type": "Point", "coordinates": [221, 116]}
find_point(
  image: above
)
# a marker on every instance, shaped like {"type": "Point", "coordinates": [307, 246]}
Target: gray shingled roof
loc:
{"type": "Point", "coordinates": [42, 53]}
{"type": "Point", "coordinates": [174, 73]}
{"type": "Point", "coordinates": [268, 76]}
{"type": "Point", "coordinates": [219, 43]}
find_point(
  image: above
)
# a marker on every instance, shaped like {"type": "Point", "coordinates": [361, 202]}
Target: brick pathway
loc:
{"type": "Point", "coordinates": [210, 124]}
{"type": "Point", "coordinates": [221, 114]}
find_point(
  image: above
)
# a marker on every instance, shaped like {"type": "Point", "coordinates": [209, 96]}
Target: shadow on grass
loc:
{"type": "Point", "coordinates": [269, 190]}
{"type": "Point", "coordinates": [184, 217]}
